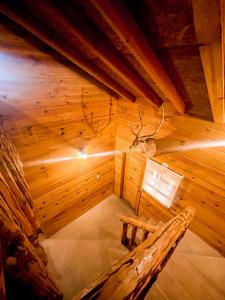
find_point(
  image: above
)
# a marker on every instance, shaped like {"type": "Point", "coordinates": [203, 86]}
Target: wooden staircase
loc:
{"type": "Point", "coordinates": [132, 277]}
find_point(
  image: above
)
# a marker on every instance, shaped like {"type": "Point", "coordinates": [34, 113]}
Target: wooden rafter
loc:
{"type": "Point", "coordinates": [97, 46]}
{"type": "Point", "coordinates": [211, 57]}
{"type": "Point", "coordinates": [70, 53]}
{"type": "Point", "coordinates": [211, 51]}
{"type": "Point", "coordinates": [118, 17]}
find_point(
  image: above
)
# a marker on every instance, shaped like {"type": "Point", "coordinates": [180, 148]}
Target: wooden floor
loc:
{"type": "Point", "coordinates": [90, 245]}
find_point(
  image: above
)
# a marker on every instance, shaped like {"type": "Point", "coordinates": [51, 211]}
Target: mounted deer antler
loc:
{"type": "Point", "coordinates": [146, 141]}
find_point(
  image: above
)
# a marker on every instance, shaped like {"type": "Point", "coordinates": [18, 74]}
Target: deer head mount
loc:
{"type": "Point", "coordinates": [145, 143]}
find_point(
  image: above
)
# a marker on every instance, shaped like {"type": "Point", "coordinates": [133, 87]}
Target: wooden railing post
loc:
{"type": "Point", "coordinates": [145, 235]}
{"type": "Point", "coordinates": [124, 238]}
{"type": "Point", "coordinates": [133, 235]}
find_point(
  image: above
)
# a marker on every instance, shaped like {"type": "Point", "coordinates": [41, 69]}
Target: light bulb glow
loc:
{"type": "Point", "coordinates": [83, 155]}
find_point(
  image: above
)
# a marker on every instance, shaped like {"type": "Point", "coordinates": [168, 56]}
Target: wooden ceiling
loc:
{"type": "Point", "coordinates": [156, 50]}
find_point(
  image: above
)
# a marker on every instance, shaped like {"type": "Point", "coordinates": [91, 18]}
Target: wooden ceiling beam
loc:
{"type": "Point", "coordinates": [211, 57]}
{"type": "Point", "coordinates": [120, 20]}
{"type": "Point", "coordinates": [210, 36]}
{"type": "Point", "coordinates": [69, 53]}
{"type": "Point", "coordinates": [94, 44]}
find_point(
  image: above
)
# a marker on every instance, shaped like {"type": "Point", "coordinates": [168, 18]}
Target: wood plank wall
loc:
{"type": "Point", "coordinates": [50, 112]}
{"type": "Point", "coordinates": [188, 145]}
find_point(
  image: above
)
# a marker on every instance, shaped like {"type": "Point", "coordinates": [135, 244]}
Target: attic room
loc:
{"type": "Point", "coordinates": [112, 149]}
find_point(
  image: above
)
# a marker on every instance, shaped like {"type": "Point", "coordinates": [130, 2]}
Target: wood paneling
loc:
{"type": "Point", "coordinates": [51, 112]}
{"type": "Point", "coordinates": [120, 158]}
{"type": "Point", "coordinates": [193, 148]}
{"type": "Point", "coordinates": [134, 171]}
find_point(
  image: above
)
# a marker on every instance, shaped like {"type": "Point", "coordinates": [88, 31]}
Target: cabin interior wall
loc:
{"type": "Point", "coordinates": [191, 147]}
{"type": "Point", "coordinates": [51, 112]}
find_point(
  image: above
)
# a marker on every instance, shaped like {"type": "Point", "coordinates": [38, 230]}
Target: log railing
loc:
{"type": "Point", "coordinates": [23, 258]}
{"type": "Point", "coordinates": [135, 225]}
{"type": "Point", "coordinates": [2, 275]}
{"type": "Point", "coordinates": [132, 277]}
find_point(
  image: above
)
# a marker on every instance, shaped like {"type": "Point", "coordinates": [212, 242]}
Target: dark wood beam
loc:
{"type": "Point", "coordinates": [118, 17]}
{"type": "Point", "coordinates": [94, 44]}
{"type": "Point", "coordinates": [70, 53]}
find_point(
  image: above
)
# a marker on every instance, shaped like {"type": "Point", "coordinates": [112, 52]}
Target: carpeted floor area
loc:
{"type": "Point", "coordinates": [90, 245]}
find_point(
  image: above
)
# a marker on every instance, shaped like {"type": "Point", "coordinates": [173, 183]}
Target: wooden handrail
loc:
{"type": "Point", "coordinates": [139, 224]}
{"type": "Point", "coordinates": [132, 277]}
{"type": "Point", "coordinates": [136, 224]}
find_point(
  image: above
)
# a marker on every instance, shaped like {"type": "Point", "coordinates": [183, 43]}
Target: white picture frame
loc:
{"type": "Point", "coordinates": [160, 182]}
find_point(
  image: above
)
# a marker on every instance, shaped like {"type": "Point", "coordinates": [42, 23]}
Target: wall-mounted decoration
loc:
{"type": "Point", "coordinates": [145, 143]}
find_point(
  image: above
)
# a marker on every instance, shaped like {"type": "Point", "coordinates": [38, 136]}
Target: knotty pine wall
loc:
{"type": "Point", "coordinates": [50, 112]}
{"type": "Point", "coordinates": [188, 146]}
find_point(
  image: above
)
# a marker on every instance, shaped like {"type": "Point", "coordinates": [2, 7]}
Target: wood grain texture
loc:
{"type": "Point", "coordinates": [170, 30]}
{"type": "Point", "coordinates": [139, 224]}
{"type": "Point", "coordinates": [65, 50]}
{"type": "Point", "coordinates": [193, 148]}
{"type": "Point", "coordinates": [210, 35]}
{"type": "Point", "coordinates": [21, 254]}
{"type": "Point", "coordinates": [117, 15]}
{"type": "Point", "coordinates": [211, 56]}
{"type": "Point", "coordinates": [51, 113]}
{"type": "Point", "coordinates": [77, 31]}
{"type": "Point", "coordinates": [133, 176]}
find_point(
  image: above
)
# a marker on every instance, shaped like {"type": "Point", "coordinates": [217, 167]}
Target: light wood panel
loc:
{"type": "Point", "coordinates": [61, 47]}
{"type": "Point", "coordinates": [211, 56]}
{"type": "Point", "coordinates": [193, 148]}
{"type": "Point", "coordinates": [51, 112]}
{"type": "Point", "coordinates": [86, 35]}
{"type": "Point", "coordinates": [133, 176]}
{"type": "Point", "coordinates": [209, 36]}
{"type": "Point", "coordinates": [120, 158]}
